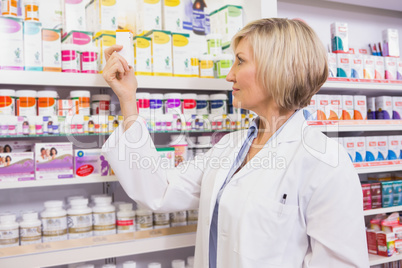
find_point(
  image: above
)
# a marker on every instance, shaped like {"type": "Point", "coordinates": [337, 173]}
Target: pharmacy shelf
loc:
{"type": "Point", "coordinates": [56, 182]}
{"type": "Point", "coordinates": [356, 125]}
{"type": "Point", "coordinates": [51, 135]}
{"type": "Point", "coordinates": [378, 166]}
{"type": "Point", "coordinates": [93, 248]}
{"type": "Point", "coordinates": [382, 210]}
{"type": "Point", "coordinates": [376, 259]}
{"type": "Point", "coordinates": [30, 78]}
{"type": "Point", "coordinates": [374, 85]}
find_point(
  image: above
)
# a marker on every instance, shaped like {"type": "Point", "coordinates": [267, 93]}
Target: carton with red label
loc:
{"type": "Point", "coordinates": [366, 196]}
{"type": "Point", "coordinates": [393, 147]}
{"type": "Point", "coordinates": [390, 68]}
{"type": "Point", "coordinates": [385, 244]}
{"type": "Point", "coordinates": [383, 106]}
{"type": "Point", "coordinates": [360, 107]}
{"type": "Point", "coordinates": [90, 162]}
{"type": "Point", "coordinates": [376, 195]}
{"type": "Point", "coordinates": [368, 67]}
{"type": "Point", "coordinates": [379, 67]}
{"type": "Point", "coordinates": [343, 63]}
{"type": "Point", "coordinates": [397, 108]}
{"type": "Point", "coordinates": [350, 145]}
{"type": "Point", "coordinates": [335, 107]}
{"type": "Point", "coordinates": [347, 107]}
{"type": "Point", "coordinates": [357, 66]}
{"type": "Point", "coordinates": [323, 107]}
{"type": "Point", "coordinates": [371, 241]}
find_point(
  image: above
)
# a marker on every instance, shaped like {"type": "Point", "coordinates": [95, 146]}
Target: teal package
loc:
{"type": "Point", "coordinates": [387, 194]}
{"type": "Point", "coordinates": [397, 193]}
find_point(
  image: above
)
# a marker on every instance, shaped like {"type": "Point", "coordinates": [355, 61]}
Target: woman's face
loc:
{"type": "Point", "coordinates": [247, 91]}
{"type": "Point", "coordinates": [53, 152]}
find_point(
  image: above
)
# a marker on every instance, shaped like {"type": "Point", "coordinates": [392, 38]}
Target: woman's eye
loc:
{"type": "Point", "coordinates": [240, 60]}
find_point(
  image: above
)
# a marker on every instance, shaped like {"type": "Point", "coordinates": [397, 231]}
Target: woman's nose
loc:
{"type": "Point", "coordinates": [231, 76]}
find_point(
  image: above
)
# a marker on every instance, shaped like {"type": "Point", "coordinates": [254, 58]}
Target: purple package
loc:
{"type": "Point", "coordinates": [17, 167]}
{"type": "Point", "coordinates": [90, 162]}
{"type": "Point", "coordinates": [54, 160]}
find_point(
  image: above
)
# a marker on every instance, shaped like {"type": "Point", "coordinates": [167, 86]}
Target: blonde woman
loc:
{"type": "Point", "coordinates": [277, 195]}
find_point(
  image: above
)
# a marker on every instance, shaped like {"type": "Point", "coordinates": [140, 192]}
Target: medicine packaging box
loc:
{"type": "Point", "coordinates": [33, 46]}
{"type": "Point", "coordinates": [349, 144]}
{"type": "Point", "coordinates": [142, 55]}
{"type": "Point", "coordinates": [371, 148]}
{"type": "Point", "coordinates": [53, 160]}
{"type": "Point", "coordinates": [161, 52]}
{"type": "Point", "coordinates": [368, 67]}
{"type": "Point", "coordinates": [371, 110]}
{"type": "Point", "coordinates": [125, 38]}
{"type": "Point", "coordinates": [101, 15]}
{"type": "Point", "coordinates": [51, 50]}
{"type": "Point", "coordinates": [390, 39]}
{"type": "Point", "coordinates": [11, 45]}
{"type": "Point", "coordinates": [339, 37]}
{"type": "Point", "coordinates": [394, 147]}
{"type": "Point", "coordinates": [357, 66]}
{"type": "Point", "coordinates": [16, 146]}
{"type": "Point", "coordinates": [360, 106]}
{"type": "Point", "coordinates": [233, 22]}
{"type": "Point", "coordinates": [73, 16]}
{"type": "Point", "coordinates": [385, 244]}
{"type": "Point", "coordinates": [371, 241]}
{"type": "Point", "coordinates": [167, 155]}
{"type": "Point", "coordinates": [181, 55]}
{"type": "Point", "coordinates": [323, 107]}
{"type": "Point", "coordinates": [79, 38]}
{"type": "Point", "coordinates": [51, 14]}
{"type": "Point", "coordinates": [379, 67]}
{"type": "Point", "coordinates": [383, 106]}
{"type": "Point", "coordinates": [399, 70]}
{"type": "Point", "coordinates": [387, 194]}
{"type": "Point", "coordinates": [173, 15]}
{"type": "Point", "coordinates": [17, 166]}
{"type": "Point", "coordinates": [360, 143]}
{"type": "Point", "coordinates": [397, 186]}
{"type": "Point", "coordinates": [366, 196]}
{"type": "Point", "coordinates": [332, 69]}
{"type": "Point", "coordinates": [102, 41]}
{"type": "Point", "coordinates": [397, 108]}
{"type": "Point", "coordinates": [335, 107]}
{"type": "Point", "coordinates": [376, 195]}
{"type": "Point", "coordinates": [344, 66]}
{"type": "Point", "coordinates": [310, 112]}
{"type": "Point", "coordinates": [347, 107]}
{"type": "Point", "coordinates": [390, 65]}
{"type": "Point", "coordinates": [149, 15]}
{"type": "Point", "coordinates": [90, 162]}
{"type": "Point", "coordinates": [382, 145]}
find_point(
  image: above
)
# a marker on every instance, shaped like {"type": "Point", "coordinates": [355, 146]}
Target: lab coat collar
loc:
{"type": "Point", "coordinates": [293, 129]}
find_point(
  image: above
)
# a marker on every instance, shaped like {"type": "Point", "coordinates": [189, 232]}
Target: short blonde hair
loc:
{"type": "Point", "coordinates": [291, 60]}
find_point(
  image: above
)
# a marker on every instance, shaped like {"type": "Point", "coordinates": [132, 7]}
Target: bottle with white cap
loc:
{"type": "Point", "coordinates": [110, 265]}
{"type": "Point", "coordinates": [144, 219]}
{"type": "Point", "coordinates": [190, 261]}
{"type": "Point", "coordinates": [125, 218]}
{"type": "Point", "coordinates": [178, 218]}
{"type": "Point", "coordinates": [54, 221]}
{"type": "Point", "coordinates": [154, 265]}
{"type": "Point", "coordinates": [9, 236]}
{"type": "Point", "coordinates": [129, 264]}
{"type": "Point", "coordinates": [178, 264]}
{"type": "Point", "coordinates": [161, 220]}
{"type": "Point", "coordinates": [192, 216]}
{"type": "Point", "coordinates": [79, 218]}
{"type": "Point", "coordinates": [30, 228]}
{"type": "Point", "coordinates": [104, 216]}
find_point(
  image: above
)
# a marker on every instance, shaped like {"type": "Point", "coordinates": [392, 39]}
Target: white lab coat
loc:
{"type": "Point", "coordinates": [320, 224]}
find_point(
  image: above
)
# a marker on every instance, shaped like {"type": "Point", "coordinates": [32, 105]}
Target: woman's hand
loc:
{"type": "Point", "coordinates": [119, 75]}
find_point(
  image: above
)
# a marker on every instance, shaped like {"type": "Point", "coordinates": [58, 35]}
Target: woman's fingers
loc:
{"type": "Point", "coordinates": [109, 51]}
{"type": "Point", "coordinates": [116, 56]}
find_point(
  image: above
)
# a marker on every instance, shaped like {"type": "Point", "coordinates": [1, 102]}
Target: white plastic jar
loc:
{"type": "Point", "coordinates": [192, 217]}
{"type": "Point", "coordinates": [125, 218]}
{"type": "Point", "coordinates": [7, 102]}
{"type": "Point", "coordinates": [89, 59]}
{"type": "Point", "coordinates": [81, 101]}
{"type": "Point", "coordinates": [218, 103]}
{"type": "Point", "coordinates": [104, 216]}
{"type": "Point", "coordinates": [129, 264]}
{"type": "Point", "coordinates": [79, 218]}
{"type": "Point", "coordinates": [214, 42]}
{"type": "Point", "coordinates": [9, 235]}
{"type": "Point", "coordinates": [100, 104]}
{"type": "Point", "coordinates": [225, 62]}
{"type": "Point", "coordinates": [47, 101]}
{"type": "Point", "coordinates": [30, 229]}
{"type": "Point", "coordinates": [156, 104]}
{"type": "Point", "coordinates": [207, 66]}
{"type": "Point", "coordinates": [154, 265]}
{"type": "Point", "coordinates": [70, 58]}
{"type": "Point", "coordinates": [144, 219]}
{"type": "Point", "coordinates": [178, 218]}
{"type": "Point", "coordinates": [178, 264]}
{"type": "Point", "coordinates": [202, 104]}
{"type": "Point", "coordinates": [173, 103]}
{"type": "Point", "coordinates": [161, 220]}
{"type": "Point", "coordinates": [189, 103]}
{"type": "Point", "coordinates": [143, 105]}
{"type": "Point", "coordinates": [54, 221]}
{"type": "Point", "coordinates": [26, 102]}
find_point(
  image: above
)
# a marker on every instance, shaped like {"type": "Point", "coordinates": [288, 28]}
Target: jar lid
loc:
{"type": "Point", "coordinates": [47, 94]}
{"type": "Point", "coordinates": [125, 206]}
{"type": "Point", "coordinates": [26, 93]}
{"type": "Point", "coordinates": [129, 264]}
{"type": "Point", "coordinates": [143, 212]}
{"type": "Point", "coordinates": [172, 96]}
{"type": "Point", "coordinates": [190, 96]}
{"type": "Point", "coordinates": [103, 200]}
{"type": "Point", "coordinates": [143, 95]}
{"type": "Point", "coordinates": [7, 92]}
{"type": "Point", "coordinates": [79, 202]}
{"type": "Point", "coordinates": [156, 96]}
{"type": "Point", "coordinates": [154, 265]}
{"type": "Point", "coordinates": [30, 215]}
{"type": "Point", "coordinates": [74, 197]}
{"type": "Point", "coordinates": [53, 204]}
{"type": "Point", "coordinates": [218, 97]}
{"type": "Point", "coordinates": [8, 218]}
{"type": "Point", "coordinates": [101, 97]}
{"type": "Point", "coordinates": [203, 97]}
{"type": "Point", "coordinates": [190, 261]}
{"type": "Point", "coordinates": [80, 93]}
{"type": "Point", "coordinates": [178, 264]}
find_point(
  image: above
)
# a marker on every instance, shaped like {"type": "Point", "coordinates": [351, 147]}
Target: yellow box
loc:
{"type": "Point", "coordinates": [103, 40]}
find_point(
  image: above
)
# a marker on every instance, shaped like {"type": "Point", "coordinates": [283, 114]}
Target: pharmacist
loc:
{"type": "Point", "coordinates": [280, 194]}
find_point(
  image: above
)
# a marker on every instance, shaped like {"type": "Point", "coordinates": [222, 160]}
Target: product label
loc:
{"type": "Point", "coordinates": [70, 61]}
{"type": "Point", "coordinates": [26, 106]}
{"type": "Point", "coordinates": [161, 220]}
{"type": "Point", "coordinates": [51, 50]}
{"type": "Point", "coordinates": [81, 105]}
{"type": "Point", "coordinates": [144, 222]}
{"type": "Point", "coordinates": [54, 229]}
{"type": "Point", "coordinates": [192, 217]}
{"type": "Point", "coordinates": [173, 104]}
{"type": "Point", "coordinates": [199, 20]}
{"type": "Point", "coordinates": [9, 238]}
{"type": "Point", "coordinates": [100, 107]}
{"type": "Point", "coordinates": [155, 104]}
{"type": "Point", "coordinates": [7, 105]}
{"type": "Point", "coordinates": [79, 226]}
{"type": "Point", "coordinates": [143, 106]}
{"type": "Point", "coordinates": [104, 223]}
{"type": "Point", "coordinates": [30, 235]}
{"type": "Point", "coordinates": [89, 62]}
{"type": "Point", "coordinates": [218, 107]}
{"type": "Point", "coordinates": [125, 225]}
{"type": "Point", "coordinates": [207, 69]}
{"type": "Point", "coordinates": [178, 218]}
{"type": "Point", "coordinates": [189, 106]}
{"type": "Point", "coordinates": [47, 106]}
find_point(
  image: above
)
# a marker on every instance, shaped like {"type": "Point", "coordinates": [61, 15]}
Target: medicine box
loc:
{"type": "Point", "coordinates": [142, 55]}
{"type": "Point", "coordinates": [344, 66]}
{"type": "Point", "coordinates": [339, 37]}
{"type": "Point", "coordinates": [50, 14]}
{"type": "Point", "coordinates": [394, 147]}
{"type": "Point", "coordinates": [332, 69]}
{"type": "Point", "coordinates": [360, 143]}
{"type": "Point", "coordinates": [397, 108]}
{"type": "Point", "coordinates": [399, 70]}
{"type": "Point", "coordinates": [323, 108]}
{"type": "Point", "coordinates": [232, 24]}
{"type": "Point", "coordinates": [16, 146]}
{"type": "Point", "coordinates": [53, 161]}
{"type": "Point", "coordinates": [385, 244]}
{"type": "Point", "coordinates": [167, 155]}
{"type": "Point", "coordinates": [101, 15]}
{"type": "Point", "coordinates": [51, 50]}
{"type": "Point", "coordinates": [366, 196]}
{"type": "Point", "coordinates": [79, 38]}
{"type": "Point", "coordinates": [181, 55]}
{"type": "Point", "coordinates": [368, 67]}
{"type": "Point", "coordinates": [17, 167]}
{"type": "Point", "coordinates": [73, 16]}
{"type": "Point", "coordinates": [371, 241]}
{"type": "Point", "coordinates": [335, 107]}
{"type": "Point", "coordinates": [387, 194]}
{"type": "Point", "coordinates": [376, 195]}
{"type": "Point", "coordinates": [103, 40]}
{"type": "Point", "coordinates": [379, 68]}
{"type": "Point", "coordinates": [33, 46]}
{"type": "Point", "coordinates": [90, 162]}
{"type": "Point", "coordinates": [390, 39]}
{"type": "Point", "coordinates": [11, 45]}
{"type": "Point", "coordinates": [371, 148]}
{"type": "Point", "coordinates": [173, 15]}
{"type": "Point", "coordinates": [397, 186]}
{"type": "Point", "coordinates": [390, 65]}
{"type": "Point", "coordinates": [310, 112]}
{"type": "Point", "coordinates": [161, 52]}
{"type": "Point", "coordinates": [371, 108]}
{"type": "Point", "coordinates": [349, 144]}
{"type": "Point", "coordinates": [383, 106]}
{"type": "Point", "coordinates": [150, 15]}
{"type": "Point", "coordinates": [360, 107]}
{"type": "Point", "coordinates": [357, 66]}
{"type": "Point", "coordinates": [125, 38]}
{"type": "Point", "coordinates": [382, 145]}
{"type": "Point", "coordinates": [347, 107]}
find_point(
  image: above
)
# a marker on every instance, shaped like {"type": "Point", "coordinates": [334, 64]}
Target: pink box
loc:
{"type": "Point", "coordinates": [17, 167]}
{"type": "Point", "coordinates": [372, 241]}
{"type": "Point", "coordinates": [385, 244]}
{"type": "Point", "coordinates": [366, 196]}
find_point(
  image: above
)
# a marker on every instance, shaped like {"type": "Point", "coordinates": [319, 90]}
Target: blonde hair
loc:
{"type": "Point", "coordinates": [291, 60]}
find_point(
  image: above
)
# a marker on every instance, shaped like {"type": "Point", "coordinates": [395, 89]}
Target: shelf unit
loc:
{"type": "Point", "coordinates": [368, 85]}
{"type": "Point", "coordinates": [378, 166]}
{"type": "Point", "coordinates": [376, 259]}
{"type": "Point", "coordinates": [382, 210]}
{"type": "Point", "coordinates": [356, 125]}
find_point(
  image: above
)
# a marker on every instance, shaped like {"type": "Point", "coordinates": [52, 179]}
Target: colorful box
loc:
{"type": "Point", "coordinates": [323, 108]}
{"type": "Point", "coordinates": [350, 145]}
{"type": "Point", "coordinates": [310, 112]}
{"type": "Point", "coordinates": [181, 55]}
{"type": "Point", "coordinates": [161, 52]}
{"type": "Point", "coordinates": [397, 185]}
{"type": "Point", "coordinates": [332, 68]}
{"type": "Point", "coordinates": [357, 66]}
{"type": "Point", "coordinates": [103, 40]}
{"type": "Point", "coordinates": [343, 63]}
{"type": "Point", "coordinates": [339, 37]}
{"type": "Point", "coordinates": [51, 50]}
{"type": "Point", "coordinates": [399, 70]}
{"type": "Point", "coordinates": [394, 147]}
{"type": "Point", "coordinates": [386, 244]}
{"type": "Point", "coordinates": [376, 195]}
{"type": "Point", "coordinates": [335, 107]}
{"type": "Point", "coordinates": [33, 46]}
{"type": "Point", "coordinates": [360, 106]}
{"type": "Point", "coordinates": [383, 106]}
{"type": "Point", "coordinates": [371, 108]}
{"type": "Point", "coordinates": [90, 162]}
{"type": "Point", "coordinates": [51, 14]}
{"type": "Point", "coordinates": [379, 68]}
{"type": "Point", "coordinates": [368, 67]}
{"type": "Point", "coordinates": [371, 241]}
{"type": "Point", "coordinates": [79, 38]}
{"type": "Point", "coordinates": [390, 41]}
{"type": "Point", "coordinates": [11, 45]}
{"type": "Point", "coordinates": [390, 68]}
{"type": "Point", "coordinates": [360, 143]}
{"type": "Point", "coordinates": [17, 167]}
{"type": "Point", "coordinates": [167, 155]}
{"type": "Point", "coordinates": [397, 108]}
{"type": "Point", "coordinates": [387, 194]}
{"type": "Point", "coordinates": [101, 15]}
{"type": "Point", "coordinates": [347, 107]}
{"type": "Point", "coordinates": [151, 16]}
{"type": "Point", "coordinates": [366, 196]}
{"type": "Point", "coordinates": [142, 55]}
{"type": "Point", "coordinates": [371, 149]}
{"type": "Point", "coordinates": [54, 161]}
{"type": "Point", "coordinates": [16, 146]}
{"type": "Point", "coordinates": [382, 145]}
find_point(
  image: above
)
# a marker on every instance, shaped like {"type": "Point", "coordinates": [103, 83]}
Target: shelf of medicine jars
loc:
{"type": "Point", "coordinates": [376, 211]}
{"type": "Point", "coordinates": [89, 249]}
{"type": "Point", "coordinates": [31, 78]}
{"type": "Point", "coordinates": [378, 166]}
{"type": "Point", "coordinates": [55, 182]}
{"type": "Point", "coordinates": [375, 85]}
{"type": "Point", "coordinates": [356, 125]}
{"type": "Point", "coordinates": [377, 259]}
